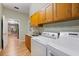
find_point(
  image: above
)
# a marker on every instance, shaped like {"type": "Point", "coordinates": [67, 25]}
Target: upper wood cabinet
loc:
{"type": "Point", "coordinates": [75, 10]}
{"type": "Point", "coordinates": [63, 11]}
{"type": "Point", "coordinates": [50, 13]}
{"type": "Point", "coordinates": [42, 15]}
{"type": "Point", "coordinates": [34, 19]}
{"type": "Point", "coordinates": [55, 12]}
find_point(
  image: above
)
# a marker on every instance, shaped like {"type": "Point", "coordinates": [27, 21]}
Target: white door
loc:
{"type": "Point", "coordinates": [5, 32]}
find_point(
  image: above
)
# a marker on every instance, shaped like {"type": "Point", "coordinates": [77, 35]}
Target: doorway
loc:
{"type": "Point", "coordinates": [9, 27]}
{"type": "Point", "coordinates": [13, 28]}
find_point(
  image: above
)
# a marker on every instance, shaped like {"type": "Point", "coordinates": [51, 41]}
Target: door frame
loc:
{"type": "Point", "coordinates": [19, 22]}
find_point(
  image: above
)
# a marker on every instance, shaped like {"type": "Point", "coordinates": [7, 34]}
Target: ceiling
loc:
{"type": "Point", "coordinates": [23, 7]}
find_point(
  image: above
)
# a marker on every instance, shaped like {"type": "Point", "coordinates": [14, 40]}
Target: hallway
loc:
{"type": "Point", "coordinates": [15, 48]}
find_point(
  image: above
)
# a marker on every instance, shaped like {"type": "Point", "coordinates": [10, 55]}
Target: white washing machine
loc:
{"type": "Point", "coordinates": [39, 44]}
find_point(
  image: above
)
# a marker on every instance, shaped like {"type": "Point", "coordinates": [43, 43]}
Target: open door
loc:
{"type": "Point", "coordinates": [5, 32]}
{"type": "Point", "coordinates": [2, 33]}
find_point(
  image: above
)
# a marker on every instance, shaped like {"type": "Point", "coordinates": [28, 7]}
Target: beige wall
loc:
{"type": "Point", "coordinates": [16, 15]}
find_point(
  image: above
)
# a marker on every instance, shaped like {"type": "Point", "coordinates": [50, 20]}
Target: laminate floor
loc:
{"type": "Point", "coordinates": [15, 48]}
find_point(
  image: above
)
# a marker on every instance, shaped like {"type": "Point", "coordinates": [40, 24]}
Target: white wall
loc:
{"type": "Point", "coordinates": [16, 15]}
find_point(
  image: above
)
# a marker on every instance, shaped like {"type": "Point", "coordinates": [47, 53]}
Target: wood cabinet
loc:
{"type": "Point", "coordinates": [50, 13]}
{"type": "Point", "coordinates": [28, 42]}
{"type": "Point", "coordinates": [63, 11]}
{"type": "Point", "coordinates": [75, 10]}
{"type": "Point", "coordinates": [42, 16]}
{"type": "Point", "coordinates": [55, 12]}
{"type": "Point", "coordinates": [34, 19]}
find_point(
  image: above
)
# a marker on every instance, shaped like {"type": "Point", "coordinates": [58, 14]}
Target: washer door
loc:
{"type": "Point", "coordinates": [37, 49]}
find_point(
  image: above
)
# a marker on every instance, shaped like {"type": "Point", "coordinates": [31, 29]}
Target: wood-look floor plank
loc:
{"type": "Point", "coordinates": [15, 48]}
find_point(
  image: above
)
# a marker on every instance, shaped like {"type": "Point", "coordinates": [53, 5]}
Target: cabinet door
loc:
{"type": "Point", "coordinates": [50, 13]}
{"type": "Point", "coordinates": [28, 42]}
{"type": "Point", "coordinates": [34, 19]}
{"type": "Point", "coordinates": [75, 10]}
{"type": "Point", "coordinates": [42, 16]}
{"type": "Point", "coordinates": [63, 11]}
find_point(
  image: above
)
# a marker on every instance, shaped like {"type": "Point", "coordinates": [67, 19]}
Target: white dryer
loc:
{"type": "Point", "coordinates": [67, 44]}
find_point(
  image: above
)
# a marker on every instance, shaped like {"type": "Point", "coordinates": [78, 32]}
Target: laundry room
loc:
{"type": "Point", "coordinates": [39, 29]}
